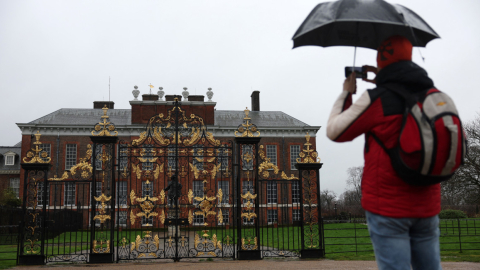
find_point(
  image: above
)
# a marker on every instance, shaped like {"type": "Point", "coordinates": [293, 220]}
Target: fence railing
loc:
{"type": "Point", "coordinates": [9, 225]}
{"type": "Point", "coordinates": [349, 234]}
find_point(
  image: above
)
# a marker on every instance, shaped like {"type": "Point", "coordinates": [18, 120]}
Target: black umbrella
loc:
{"type": "Point", "coordinates": [361, 23]}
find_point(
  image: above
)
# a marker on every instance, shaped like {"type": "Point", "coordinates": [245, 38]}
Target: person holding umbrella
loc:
{"type": "Point", "coordinates": [402, 219]}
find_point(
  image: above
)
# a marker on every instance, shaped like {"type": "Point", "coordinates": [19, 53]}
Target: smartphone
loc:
{"type": "Point", "coordinates": [360, 72]}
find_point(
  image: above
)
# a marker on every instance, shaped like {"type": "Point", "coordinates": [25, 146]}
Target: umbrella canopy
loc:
{"type": "Point", "coordinates": [361, 23]}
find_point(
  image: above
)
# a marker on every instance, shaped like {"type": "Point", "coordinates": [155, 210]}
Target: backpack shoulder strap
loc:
{"type": "Point", "coordinates": [378, 141]}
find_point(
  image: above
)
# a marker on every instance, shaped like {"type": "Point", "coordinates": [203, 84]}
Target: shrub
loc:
{"type": "Point", "coordinates": [10, 198]}
{"type": "Point", "coordinates": [451, 214]}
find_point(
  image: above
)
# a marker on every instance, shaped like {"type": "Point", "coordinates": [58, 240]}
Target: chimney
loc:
{"type": "Point", "coordinates": [172, 97]}
{"type": "Point", "coordinates": [100, 104]}
{"type": "Point", "coordinates": [255, 101]}
{"type": "Point", "coordinates": [150, 97]}
{"type": "Point", "coordinates": [196, 98]}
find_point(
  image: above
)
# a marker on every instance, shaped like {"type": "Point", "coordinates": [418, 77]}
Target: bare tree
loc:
{"type": "Point", "coordinates": [327, 199]}
{"type": "Point", "coordinates": [464, 187]}
{"type": "Point", "coordinates": [354, 182]}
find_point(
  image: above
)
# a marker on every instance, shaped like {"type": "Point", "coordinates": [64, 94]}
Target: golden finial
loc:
{"type": "Point", "coordinates": [106, 127]}
{"type": "Point", "coordinates": [247, 129]}
{"type": "Point", "coordinates": [308, 155]}
{"type": "Point", "coordinates": [34, 153]}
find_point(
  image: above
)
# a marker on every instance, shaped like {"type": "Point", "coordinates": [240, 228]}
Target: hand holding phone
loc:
{"type": "Point", "coordinates": [360, 72]}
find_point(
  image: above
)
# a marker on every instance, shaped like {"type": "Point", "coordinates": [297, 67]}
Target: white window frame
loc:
{"type": "Point", "coordinates": [296, 215]}
{"type": "Point", "coordinates": [225, 186]}
{"type": "Point", "coordinates": [122, 218]}
{"type": "Point", "coordinates": [223, 157]}
{"type": "Point", "coordinates": [66, 196]}
{"type": "Point", "coordinates": [70, 155]}
{"type": "Point", "coordinates": [271, 153]}
{"type": "Point", "coordinates": [148, 166]}
{"type": "Point", "coordinates": [247, 222]}
{"type": "Point", "coordinates": [197, 191]}
{"type": "Point", "coordinates": [294, 154]}
{"type": "Point", "coordinates": [122, 157]}
{"type": "Point", "coordinates": [245, 186]}
{"type": "Point", "coordinates": [46, 147]}
{"type": "Point", "coordinates": [98, 157]}
{"type": "Point", "coordinates": [147, 222]}
{"type": "Point", "coordinates": [247, 148]}
{"type": "Point", "coordinates": [40, 193]}
{"type": "Point", "coordinates": [9, 159]}
{"type": "Point", "coordinates": [296, 192]}
{"type": "Point", "coordinates": [122, 190]}
{"type": "Point", "coordinates": [272, 216]}
{"type": "Point", "coordinates": [146, 192]}
{"type": "Point", "coordinates": [198, 153]}
{"type": "Point", "coordinates": [198, 220]}
{"type": "Point", "coordinates": [272, 192]}
{"type": "Point", "coordinates": [171, 158]}
{"type": "Point", "coordinates": [225, 216]}
{"type": "Point", "coordinates": [15, 186]}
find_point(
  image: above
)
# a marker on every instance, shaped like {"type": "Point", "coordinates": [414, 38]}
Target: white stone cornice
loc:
{"type": "Point", "coordinates": [135, 130]}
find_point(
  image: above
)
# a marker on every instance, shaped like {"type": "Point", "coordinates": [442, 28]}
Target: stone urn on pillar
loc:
{"type": "Point", "coordinates": [136, 92]}
{"type": "Point", "coordinates": [160, 93]}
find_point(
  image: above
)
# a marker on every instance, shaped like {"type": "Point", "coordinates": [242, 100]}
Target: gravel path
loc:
{"type": "Point", "coordinates": [231, 264]}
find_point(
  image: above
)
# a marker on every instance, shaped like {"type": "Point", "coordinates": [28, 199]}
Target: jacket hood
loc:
{"type": "Point", "coordinates": [407, 74]}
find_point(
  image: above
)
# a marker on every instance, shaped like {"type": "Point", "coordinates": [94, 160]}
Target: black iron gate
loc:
{"type": "Point", "coordinates": [175, 192]}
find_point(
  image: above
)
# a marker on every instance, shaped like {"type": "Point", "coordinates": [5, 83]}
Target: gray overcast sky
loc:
{"type": "Point", "coordinates": [59, 54]}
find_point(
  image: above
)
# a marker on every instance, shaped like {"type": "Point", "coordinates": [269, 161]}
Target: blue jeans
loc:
{"type": "Point", "coordinates": [401, 242]}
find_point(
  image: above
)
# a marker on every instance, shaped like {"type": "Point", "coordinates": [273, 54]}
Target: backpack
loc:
{"type": "Point", "coordinates": [431, 145]}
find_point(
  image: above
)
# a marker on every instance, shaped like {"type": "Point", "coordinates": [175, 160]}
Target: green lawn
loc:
{"type": "Point", "coordinates": [343, 241]}
{"type": "Point", "coordinates": [8, 256]}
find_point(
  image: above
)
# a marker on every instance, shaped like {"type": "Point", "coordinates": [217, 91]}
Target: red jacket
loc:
{"type": "Point", "coordinates": [379, 112]}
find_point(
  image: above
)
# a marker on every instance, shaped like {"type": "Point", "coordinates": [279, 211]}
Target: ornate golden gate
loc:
{"type": "Point", "coordinates": [175, 191]}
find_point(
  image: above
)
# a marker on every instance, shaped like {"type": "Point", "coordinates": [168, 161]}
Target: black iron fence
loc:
{"type": "Point", "coordinates": [9, 224]}
{"type": "Point", "coordinates": [349, 234]}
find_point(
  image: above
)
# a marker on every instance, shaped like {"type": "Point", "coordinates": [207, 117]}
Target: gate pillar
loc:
{"type": "Point", "coordinates": [32, 227]}
{"type": "Point", "coordinates": [102, 194]}
{"type": "Point", "coordinates": [248, 228]}
{"type": "Point", "coordinates": [312, 239]}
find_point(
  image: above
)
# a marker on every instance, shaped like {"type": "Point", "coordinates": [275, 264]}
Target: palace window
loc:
{"type": "Point", "coordinates": [295, 191]}
{"type": "Point", "coordinates": [147, 221]}
{"type": "Point", "coordinates": [40, 193]}
{"type": "Point", "coordinates": [122, 218]}
{"type": "Point", "coordinates": [70, 156]}
{"type": "Point", "coordinates": [247, 157]}
{"type": "Point", "coordinates": [294, 154]}
{"type": "Point", "coordinates": [296, 214]}
{"type": "Point", "coordinates": [98, 157]}
{"type": "Point", "coordinates": [198, 156]}
{"type": "Point", "coordinates": [246, 187]}
{"type": "Point", "coordinates": [10, 159]}
{"type": "Point", "coordinates": [148, 154]}
{"type": "Point", "coordinates": [271, 192]}
{"type": "Point", "coordinates": [223, 157]}
{"type": "Point", "coordinates": [123, 157]}
{"type": "Point", "coordinates": [172, 163]}
{"type": "Point", "coordinates": [225, 216]}
{"type": "Point", "coordinates": [272, 154]}
{"type": "Point", "coordinates": [69, 194]}
{"type": "Point", "coordinates": [122, 193]}
{"type": "Point", "coordinates": [224, 186]}
{"type": "Point", "coordinates": [47, 149]}
{"type": "Point", "coordinates": [147, 189]}
{"type": "Point", "coordinates": [15, 186]}
{"type": "Point", "coordinates": [272, 216]}
{"type": "Point", "coordinates": [197, 191]}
